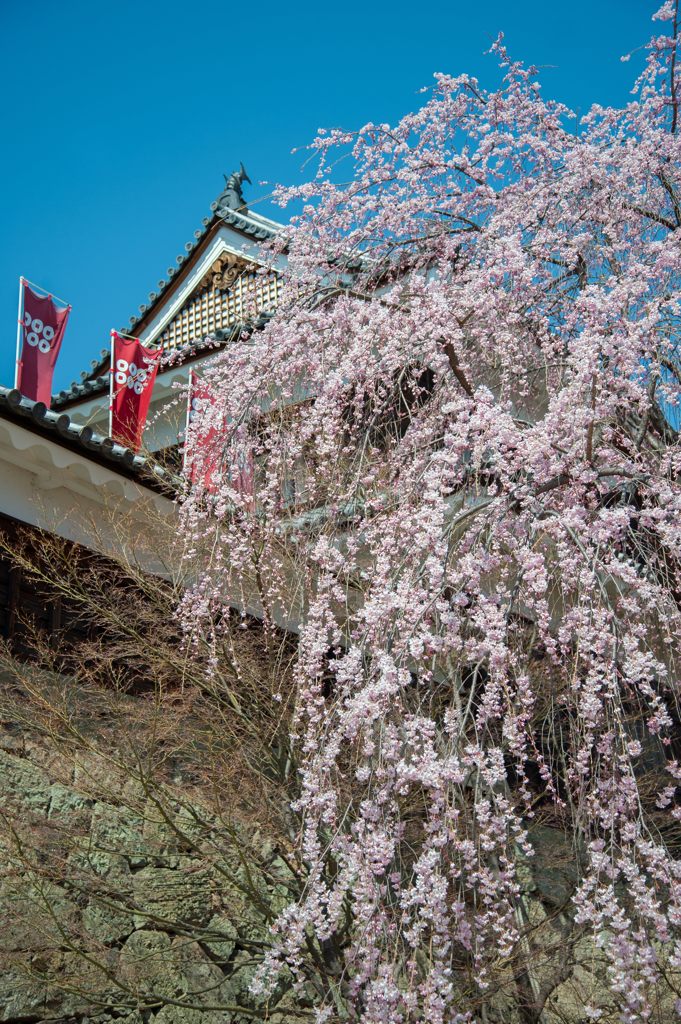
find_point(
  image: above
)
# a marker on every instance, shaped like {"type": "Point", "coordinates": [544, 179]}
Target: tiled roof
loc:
{"type": "Point", "coordinates": [229, 208]}
{"type": "Point", "coordinates": [41, 420]}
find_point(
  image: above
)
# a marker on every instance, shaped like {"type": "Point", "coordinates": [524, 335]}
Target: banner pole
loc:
{"type": "Point", "coordinates": [20, 319]}
{"type": "Point", "coordinates": [111, 384]}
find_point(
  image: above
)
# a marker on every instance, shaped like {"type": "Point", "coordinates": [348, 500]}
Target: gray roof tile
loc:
{"type": "Point", "coordinates": [37, 417]}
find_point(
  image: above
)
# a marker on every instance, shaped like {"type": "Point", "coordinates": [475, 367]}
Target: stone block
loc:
{"type": "Point", "coordinates": [105, 924]}
{"type": "Point", "coordinates": [21, 998]}
{"type": "Point", "coordinates": [95, 773]}
{"type": "Point", "coordinates": [11, 738]}
{"type": "Point", "coordinates": [67, 802]}
{"type": "Point", "coordinates": [146, 964]}
{"type": "Point", "coordinates": [21, 782]}
{"type": "Point", "coordinates": [221, 949]}
{"type": "Point", "coordinates": [182, 895]}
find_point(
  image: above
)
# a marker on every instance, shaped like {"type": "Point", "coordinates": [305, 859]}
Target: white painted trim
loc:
{"type": "Point", "coordinates": [62, 491]}
{"type": "Point", "coordinates": [260, 221]}
{"type": "Point", "coordinates": [39, 455]}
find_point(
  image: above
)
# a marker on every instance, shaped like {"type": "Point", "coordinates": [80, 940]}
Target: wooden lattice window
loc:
{"type": "Point", "coordinates": [231, 291]}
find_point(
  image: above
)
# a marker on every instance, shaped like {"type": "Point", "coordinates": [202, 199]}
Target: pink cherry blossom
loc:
{"type": "Point", "coordinates": [464, 421]}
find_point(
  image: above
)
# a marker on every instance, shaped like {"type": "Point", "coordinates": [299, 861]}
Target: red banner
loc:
{"type": "Point", "coordinates": [204, 459]}
{"type": "Point", "coordinates": [43, 327]}
{"type": "Point", "coordinates": [205, 443]}
{"type": "Point", "coordinates": [242, 476]}
{"type": "Point", "coordinates": [134, 371]}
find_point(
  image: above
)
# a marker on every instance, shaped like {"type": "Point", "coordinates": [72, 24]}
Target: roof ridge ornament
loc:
{"type": "Point", "coordinates": [231, 198]}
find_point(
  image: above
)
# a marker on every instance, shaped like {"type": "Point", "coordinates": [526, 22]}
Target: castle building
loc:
{"type": "Point", "coordinates": [214, 287]}
{"type": "Point", "coordinates": [60, 472]}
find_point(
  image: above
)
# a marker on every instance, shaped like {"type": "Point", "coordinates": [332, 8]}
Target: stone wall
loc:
{"type": "Point", "coordinates": [124, 899]}
{"type": "Point", "coordinates": [109, 912]}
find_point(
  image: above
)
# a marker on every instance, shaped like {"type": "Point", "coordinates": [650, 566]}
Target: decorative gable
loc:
{"type": "Point", "coordinates": [218, 282]}
{"type": "Point", "coordinates": [232, 290]}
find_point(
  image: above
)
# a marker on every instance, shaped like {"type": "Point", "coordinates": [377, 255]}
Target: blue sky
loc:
{"type": "Point", "coordinates": [119, 119]}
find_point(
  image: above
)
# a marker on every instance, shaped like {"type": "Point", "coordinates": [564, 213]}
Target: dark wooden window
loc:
{"type": "Point", "coordinates": [25, 605]}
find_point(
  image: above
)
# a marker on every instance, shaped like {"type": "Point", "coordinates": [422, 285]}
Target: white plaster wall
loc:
{"type": "Point", "coordinates": [47, 485]}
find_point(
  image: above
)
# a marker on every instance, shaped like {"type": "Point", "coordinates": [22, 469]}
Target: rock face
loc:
{"type": "Point", "coordinates": [113, 909]}
{"type": "Point", "coordinates": [131, 893]}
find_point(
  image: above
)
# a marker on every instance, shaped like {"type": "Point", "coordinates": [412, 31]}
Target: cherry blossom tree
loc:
{"type": "Point", "coordinates": [463, 422]}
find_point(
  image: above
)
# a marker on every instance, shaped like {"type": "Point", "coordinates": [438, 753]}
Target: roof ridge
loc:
{"type": "Point", "coordinates": [229, 207]}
